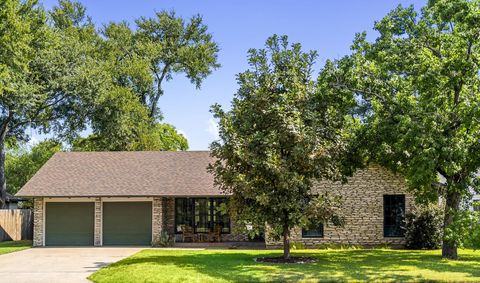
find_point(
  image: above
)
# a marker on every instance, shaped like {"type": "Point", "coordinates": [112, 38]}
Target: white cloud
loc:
{"type": "Point", "coordinates": [212, 128]}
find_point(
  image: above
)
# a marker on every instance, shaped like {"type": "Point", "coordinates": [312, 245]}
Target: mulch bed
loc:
{"type": "Point", "coordinates": [293, 259]}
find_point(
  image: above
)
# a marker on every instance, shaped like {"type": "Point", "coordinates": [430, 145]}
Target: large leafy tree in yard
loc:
{"type": "Point", "coordinates": [170, 45]}
{"type": "Point", "coordinates": [281, 134]}
{"type": "Point", "coordinates": [45, 75]}
{"type": "Point", "coordinates": [419, 85]}
{"type": "Point", "coordinates": [139, 62]}
{"type": "Point", "coordinates": [22, 162]}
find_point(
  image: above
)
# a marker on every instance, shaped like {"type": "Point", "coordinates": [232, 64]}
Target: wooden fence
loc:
{"type": "Point", "coordinates": [16, 224]}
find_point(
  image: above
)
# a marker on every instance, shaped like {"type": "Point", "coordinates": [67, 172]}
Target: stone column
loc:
{"type": "Point", "coordinates": [38, 222]}
{"type": "Point", "coordinates": [157, 219]}
{"type": "Point", "coordinates": [98, 222]}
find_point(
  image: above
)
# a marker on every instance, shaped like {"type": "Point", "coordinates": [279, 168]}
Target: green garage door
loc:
{"type": "Point", "coordinates": [69, 223]}
{"type": "Point", "coordinates": [127, 223]}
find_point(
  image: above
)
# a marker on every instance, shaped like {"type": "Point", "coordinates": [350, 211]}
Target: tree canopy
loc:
{"type": "Point", "coordinates": [60, 75]}
{"type": "Point", "coordinates": [46, 75]}
{"type": "Point", "coordinates": [282, 132]}
{"type": "Point", "coordinates": [418, 86]}
{"type": "Point", "coordinates": [22, 162]}
{"type": "Point", "coordinates": [138, 62]}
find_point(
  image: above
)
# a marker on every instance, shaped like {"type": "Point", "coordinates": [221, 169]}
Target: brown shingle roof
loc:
{"type": "Point", "coordinates": [145, 173]}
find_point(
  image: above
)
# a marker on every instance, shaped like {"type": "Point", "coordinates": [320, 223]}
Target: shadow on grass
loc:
{"type": "Point", "coordinates": [332, 265]}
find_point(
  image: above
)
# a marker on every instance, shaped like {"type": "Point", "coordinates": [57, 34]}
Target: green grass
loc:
{"type": "Point", "coordinates": [14, 246]}
{"type": "Point", "coordinates": [161, 265]}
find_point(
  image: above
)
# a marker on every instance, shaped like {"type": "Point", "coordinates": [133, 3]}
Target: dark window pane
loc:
{"type": "Point", "coordinates": [200, 213]}
{"type": "Point", "coordinates": [202, 208]}
{"type": "Point", "coordinates": [183, 213]}
{"type": "Point", "coordinates": [219, 218]}
{"type": "Point", "coordinates": [393, 215]}
{"type": "Point", "coordinates": [314, 232]}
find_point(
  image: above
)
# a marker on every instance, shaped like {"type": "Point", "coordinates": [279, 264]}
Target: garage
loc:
{"type": "Point", "coordinates": [69, 223]}
{"type": "Point", "coordinates": [127, 223]}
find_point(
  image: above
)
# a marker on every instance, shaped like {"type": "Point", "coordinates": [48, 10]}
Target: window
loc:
{"type": "Point", "coordinates": [393, 215]}
{"type": "Point", "coordinates": [200, 213]}
{"type": "Point", "coordinates": [218, 217]}
{"type": "Point", "coordinates": [183, 213]}
{"type": "Point", "coordinates": [315, 232]}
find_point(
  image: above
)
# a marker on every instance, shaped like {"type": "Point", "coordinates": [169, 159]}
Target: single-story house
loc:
{"type": "Point", "coordinates": [132, 198]}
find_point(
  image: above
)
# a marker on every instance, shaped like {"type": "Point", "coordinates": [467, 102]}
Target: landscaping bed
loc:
{"type": "Point", "coordinates": [169, 265]}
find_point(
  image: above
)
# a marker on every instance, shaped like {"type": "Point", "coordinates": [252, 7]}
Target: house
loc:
{"type": "Point", "coordinates": [132, 198]}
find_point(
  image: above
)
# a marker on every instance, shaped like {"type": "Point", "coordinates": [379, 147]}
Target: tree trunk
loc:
{"type": "Point", "coordinates": [452, 204]}
{"type": "Point", "coordinates": [286, 242]}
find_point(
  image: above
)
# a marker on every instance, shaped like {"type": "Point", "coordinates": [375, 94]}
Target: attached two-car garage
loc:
{"type": "Point", "coordinates": [73, 223]}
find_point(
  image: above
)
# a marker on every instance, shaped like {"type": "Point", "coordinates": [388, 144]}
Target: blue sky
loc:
{"type": "Point", "coordinates": [326, 26]}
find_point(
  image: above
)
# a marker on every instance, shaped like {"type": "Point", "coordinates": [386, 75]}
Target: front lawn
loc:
{"type": "Point", "coordinates": [14, 246]}
{"type": "Point", "coordinates": [160, 265]}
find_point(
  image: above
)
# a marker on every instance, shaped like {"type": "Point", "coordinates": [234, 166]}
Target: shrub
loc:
{"type": "Point", "coordinates": [297, 245]}
{"type": "Point", "coordinates": [423, 228]}
{"type": "Point", "coordinates": [165, 240]}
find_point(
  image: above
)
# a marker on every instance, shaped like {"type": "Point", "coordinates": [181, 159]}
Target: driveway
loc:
{"type": "Point", "coordinates": [59, 264]}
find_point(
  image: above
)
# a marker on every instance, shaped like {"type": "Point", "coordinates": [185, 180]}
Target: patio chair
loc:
{"type": "Point", "coordinates": [215, 235]}
{"type": "Point", "coordinates": [187, 233]}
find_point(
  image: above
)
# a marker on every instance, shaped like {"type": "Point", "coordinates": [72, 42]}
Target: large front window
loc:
{"type": "Point", "coordinates": [200, 213]}
{"type": "Point", "coordinates": [393, 215]}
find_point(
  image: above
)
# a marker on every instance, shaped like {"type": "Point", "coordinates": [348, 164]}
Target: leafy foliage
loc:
{"type": "Point", "coordinates": [465, 229]}
{"type": "Point", "coordinates": [165, 240]}
{"type": "Point", "coordinates": [47, 75]}
{"type": "Point", "coordinates": [423, 228]}
{"type": "Point", "coordinates": [137, 63]}
{"type": "Point", "coordinates": [282, 133]}
{"type": "Point", "coordinates": [417, 91]}
{"type": "Point", "coordinates": [23, 162]}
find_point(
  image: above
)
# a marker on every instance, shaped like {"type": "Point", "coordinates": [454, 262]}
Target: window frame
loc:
{"type": "Point", "coordinates": [387, 206]}
{"type": "Point", "coordinates": [210, 214]}
{"type": "Point", "coordinates": [319, 228]}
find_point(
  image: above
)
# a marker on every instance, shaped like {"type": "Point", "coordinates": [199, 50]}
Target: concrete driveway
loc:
{"type": "Point", "coordinates": [59, 264]}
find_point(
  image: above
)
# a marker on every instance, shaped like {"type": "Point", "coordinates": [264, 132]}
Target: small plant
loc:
{"type": "Point", "coordinates": [165, 240]}
{"type": "Point", "coordinates": [424, 228]}
{"type": "Point", "coordinates": [297, 245]}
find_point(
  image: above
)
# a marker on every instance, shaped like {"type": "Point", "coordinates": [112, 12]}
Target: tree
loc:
{"type": "Point", "coordinates": [45, 74]}
{"type": "Point", "coordinates": [172, 46]}
{"type": "Point", "coordinates": [147, 137]}
{"type": "Point", "coordinates": [282, 133]}
{"type": "Point", "coordinates": [138, 62]}
{"type": "Point", "coordinates": [418, 86]}
{"type": "Point", "coordinates": [23, 162]}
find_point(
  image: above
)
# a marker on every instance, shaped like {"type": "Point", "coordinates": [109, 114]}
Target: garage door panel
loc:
{"type": "Point", "coordinates": [127, 223]}
{"type": "Point", "coordinates": [69, 224]}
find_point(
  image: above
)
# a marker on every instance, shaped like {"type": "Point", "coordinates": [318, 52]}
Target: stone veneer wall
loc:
{"type": "Point", "coordinates": [157, 219]}
{"type": "Point", "coordinates": [98, 223]}
{"type": "Point", "coordinates": [362, 206]}
{"type": "Point", "coordinates": [38, 222]}
{"type": "Point", "coordinates": [168, 215]}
